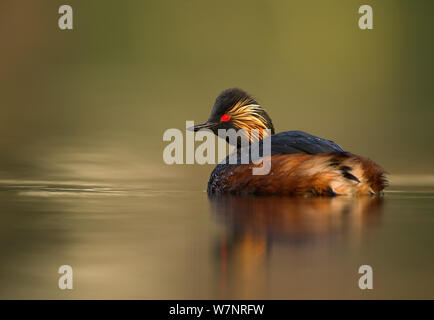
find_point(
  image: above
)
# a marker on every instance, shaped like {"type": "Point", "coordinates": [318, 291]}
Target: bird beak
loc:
{"type": "Point", "coordinates": [205, 125]}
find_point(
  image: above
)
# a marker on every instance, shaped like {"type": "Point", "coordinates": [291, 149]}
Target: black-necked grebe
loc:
{"type": "Point", "coordinates": [301, 164]}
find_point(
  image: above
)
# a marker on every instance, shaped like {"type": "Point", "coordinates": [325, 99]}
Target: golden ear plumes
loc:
{"type": "Point", "coordinates": [248, 116]}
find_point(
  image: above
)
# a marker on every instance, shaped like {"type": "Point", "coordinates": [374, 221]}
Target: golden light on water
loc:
{"type": "Point", "coordinates": [82, 180]}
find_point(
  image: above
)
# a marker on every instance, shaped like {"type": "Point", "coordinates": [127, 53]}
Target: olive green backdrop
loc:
{"type": "Point", "coordinates": [100, 97]}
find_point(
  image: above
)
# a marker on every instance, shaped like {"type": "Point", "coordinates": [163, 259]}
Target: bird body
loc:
{"type": "Point", "coordinates": [302, 174]}
{"type": "Point", "coordinates": [301, 164]}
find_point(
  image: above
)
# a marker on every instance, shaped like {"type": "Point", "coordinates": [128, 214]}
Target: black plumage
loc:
{"type": "Point", "coordinates": [289, 142]}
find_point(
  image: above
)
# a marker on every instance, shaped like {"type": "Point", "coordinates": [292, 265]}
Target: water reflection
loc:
{"type": "Point", "coordinates": [256, 226]}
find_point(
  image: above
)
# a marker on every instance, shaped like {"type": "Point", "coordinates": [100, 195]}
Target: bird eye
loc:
{"type": "Point", "coordinates": [225, 118]}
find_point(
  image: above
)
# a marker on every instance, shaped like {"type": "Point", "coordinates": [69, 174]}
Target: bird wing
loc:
{"type": "Point", "coordinates": [301, 142]}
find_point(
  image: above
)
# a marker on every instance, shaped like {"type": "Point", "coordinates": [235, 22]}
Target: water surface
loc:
{"type": "Point", "coordinates": [143, 243]}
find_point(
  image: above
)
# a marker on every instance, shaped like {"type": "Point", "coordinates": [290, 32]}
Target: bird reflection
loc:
{"type": "Point", "coordinates": [254, 226]}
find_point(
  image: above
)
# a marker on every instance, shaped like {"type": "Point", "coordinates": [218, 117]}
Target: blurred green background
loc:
{"type": "Point", "coordinates": [83, 182]}
{"type": "Point", "coordinates": [99, 97]}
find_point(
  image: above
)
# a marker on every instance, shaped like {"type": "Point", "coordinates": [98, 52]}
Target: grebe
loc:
{"type": "Point", "coordinates": [301, 163]}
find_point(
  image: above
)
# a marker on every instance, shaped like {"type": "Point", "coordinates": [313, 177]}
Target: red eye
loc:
{"type": "Point", "coordinates": [225, 118]}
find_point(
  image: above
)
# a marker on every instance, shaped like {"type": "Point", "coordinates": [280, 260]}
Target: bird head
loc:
{"type": "Point", "coordinates": [235, 109]}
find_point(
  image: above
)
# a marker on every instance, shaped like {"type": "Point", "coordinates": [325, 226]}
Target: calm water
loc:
{"type": "Point", "coordinates": [142, 243]}
{"type": "Point", "coordinates": [82, 181]}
